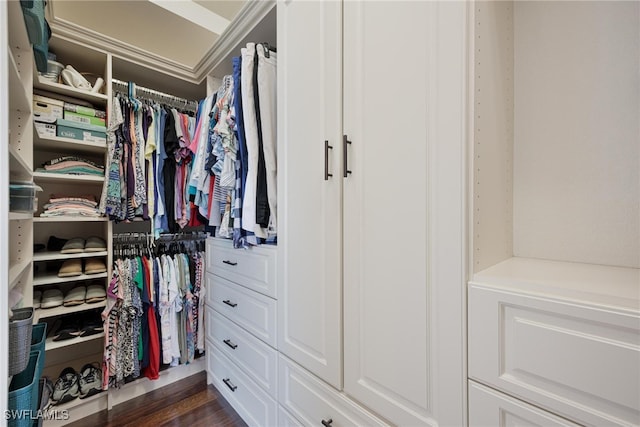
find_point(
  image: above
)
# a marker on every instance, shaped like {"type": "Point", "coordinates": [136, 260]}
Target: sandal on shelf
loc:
{"type": "Point", "coordinates": [91, 324]}
{"type": "Point", "coordinates": [95, 244]}
{"type": "Point", "coordinates": [70, 268]}
{"type": "Point", "coordinates": [95, 293]}
{"type": "Point", "coordinates": [73, 246]}
{"type": "Point", "coordinates": [55, 244]}
{"type": "Point", "coordinates": [75, 296]}
{"type": "Point", "coordinates": [65, 328]}
{"type": "Point", "coordinates": [90, 380]}
{"type": "Point", "coordinates": [94, 266]}
{"type": "Point", "coordinates": [66, 387]}
{"type": "Point", "coordinates": [51, 298]}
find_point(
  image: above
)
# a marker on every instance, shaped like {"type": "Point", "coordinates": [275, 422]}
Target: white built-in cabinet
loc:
{"type": "Point", "coordinates": [372, 177]}
{"type": "Point", "coordinates": [554, 235]}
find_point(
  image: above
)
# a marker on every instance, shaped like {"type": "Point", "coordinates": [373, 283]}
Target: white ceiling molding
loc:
{"type": "Point", "coordinates": [195, 13]}
{"type": "Point", "coordinates": [251, 14]}
{"type": "Point", "coordinates": [248, 17]}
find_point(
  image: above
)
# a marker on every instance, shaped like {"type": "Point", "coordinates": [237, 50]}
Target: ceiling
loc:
{"type": "Point", "coordinates": [180, 30]}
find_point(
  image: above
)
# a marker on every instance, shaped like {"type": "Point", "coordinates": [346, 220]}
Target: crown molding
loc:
{"type": "Point", "coordinates": [249, 16]}
{"type": "Point", "coordinates": [247, 19]}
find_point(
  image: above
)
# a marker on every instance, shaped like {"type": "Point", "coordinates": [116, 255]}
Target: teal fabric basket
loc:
{"type": "Point", "coordinates": [38, 336]}
{"type": "Point", "coordinates": [23, 394]}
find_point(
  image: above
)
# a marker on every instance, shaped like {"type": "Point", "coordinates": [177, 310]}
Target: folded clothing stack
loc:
{"type": "Point", "coordinates": [72, 165]}
{"type": "Point", "coordinates": [60, 205]}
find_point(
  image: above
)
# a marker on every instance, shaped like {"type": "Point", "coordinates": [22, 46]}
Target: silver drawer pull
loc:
{"type": "Point", "coordinates": [229, 384]}
{"type": "Point", "coordinates": [226, 261]}
{"type": "Point", "coordinates": [229, 303]}
{"type": "Point", "coordinates": [230, 344]}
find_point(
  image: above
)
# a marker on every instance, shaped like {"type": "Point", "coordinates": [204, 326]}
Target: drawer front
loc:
{"type": "Point", "coordinates": [285, 419]}
{"type": "Point", "coordinates": [577, 361]}
{"type": "Point", "coordinates": [252, 403]}
{"type": "Point", "coordinates": [490, 408]}
{"type": "Point", "coordinates": [254, 268]}
{"type": "Point", "coordinates": [312, 401]}
{"type": "Point", "coordinates": [250, 310]}
{"type": "Point", "coordinates": [253, 356]}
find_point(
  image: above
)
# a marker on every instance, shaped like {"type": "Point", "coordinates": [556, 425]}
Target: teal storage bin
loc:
{"type": "Point", "coordinates": [23, 394]}
{"type": "Point", "coordinates": [38, 336]}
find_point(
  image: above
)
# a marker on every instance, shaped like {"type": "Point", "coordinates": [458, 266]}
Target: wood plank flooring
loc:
{"type": "Point", "coordinates": [188, 402]}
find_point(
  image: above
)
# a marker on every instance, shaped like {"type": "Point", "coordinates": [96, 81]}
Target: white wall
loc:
{"type": "Point", "coordinates": [577, 131]}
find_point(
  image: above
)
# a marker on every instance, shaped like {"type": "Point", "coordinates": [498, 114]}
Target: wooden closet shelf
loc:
{"type": "Point", "coordinates": [18, 99]}
{"type": "Point", "coordinates": [53, 279]}
{"type": "Point", "coordinates": [19, 216]}
{"type": "Point", "coordinates": [56, 255]}
{"type": "Point", "coordinates": [17, 270]}
{"type": "Point", "coordinates": [18, 167]}
{"type": "Point", "coordinates": [71, 219]}
{"type": "Point", "coordinates": [64, 177]}
{"type": "Point", "coordinates": [53, 345]}
{"type": "Point", "coordinates": [44, 84]}
{"type": "Point", "coordinates": [66, 145]}
{"type": "Point", "coordinates": [45, 313]}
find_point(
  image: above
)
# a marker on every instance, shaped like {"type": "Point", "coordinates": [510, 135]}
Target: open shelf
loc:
{"type": "Point", "coordinates": [53, 279]}
{"type": "Point", "coordinates": [53, 345]}
{"type": "Point", "coordinates": [71, 219]}
{"type": "Point", "coordinates": [64, 177]}
{"type": "Point", "coordinates": [20, 216]}
{"type": "Point", "coordinates": [591, 283]}
{"type": "Point", "coordinates": [17, 270]}
{"type": "Point", "coordinates": [57, 144]}
{"type": "Point", "coordinates": [44, 84]}
{"type": "Point", "coordinates": [77, 402]}
{"type": "Point", "coordinates": [19, 169]}
{"type": "Point", "coordinates": [18, 99]}
{"type": "Point", "coordinates": [53, 255]}
{"type": "Point", "coordinates": [45, 313]}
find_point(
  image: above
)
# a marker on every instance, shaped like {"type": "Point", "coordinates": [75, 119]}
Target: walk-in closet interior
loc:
{"type": "Point", "coordinates": [345, 213]}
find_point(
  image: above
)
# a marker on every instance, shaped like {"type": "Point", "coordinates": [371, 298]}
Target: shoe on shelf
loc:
{"type": "Point", "coordinates": [51, 298]}
{"type": "Point", "coordinates": [74, 79]}
{"type": "Point", "coordinates": [70, 268]}
{"type": "Point", "coordinates": [95, 244]}
{"type": "Point", "coordinates": [94, 266]}
{"type": "Point", "coordinates": [65, 328]}
{"type": "Point", "coordinates": [66, 387]}
{"type": "Point", "coordinates": [91, 324]}
{"type": "Point", "coordinates": [95, 293]}
{"type": "Point", "coordinates": [90, 380]}
{"type": "Point", "coordinates": [75, 296]}
{"type": "Point", "coordinates": [55, 244]}
{"type": "Point", "coordinates": [73, 246]}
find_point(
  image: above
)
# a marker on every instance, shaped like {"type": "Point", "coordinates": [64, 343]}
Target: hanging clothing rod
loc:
{"type": "Point", "coordinates": [123, 238]}
{"type": "Point", "coordinates": [157, 95]}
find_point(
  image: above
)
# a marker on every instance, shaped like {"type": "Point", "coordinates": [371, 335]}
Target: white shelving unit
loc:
{"type": "Point", "coordinates": [66, 178]}
{"type": "Point", "coordinates": [53, 279]}
{"type": "Point", "coordinates": [19, 216]}
{"type": "Point", "coordinates": [53, 255]}
{"type": "Point", "coordinates": [66, 145]}
{"type": "Point", "coordinates": [95, 98]}
{"type": "Point", "coordinates": [50, 344]}
{"type": "Point", "coordinates": [69, 219]}
{"type": "Point", "coordinates": [47, 313]}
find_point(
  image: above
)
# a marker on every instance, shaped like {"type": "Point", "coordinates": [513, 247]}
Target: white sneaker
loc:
{"type": "Point", "coordinates": [74, 79]}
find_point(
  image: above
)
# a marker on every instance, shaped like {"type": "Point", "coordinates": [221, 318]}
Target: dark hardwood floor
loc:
{"type": "Point", "coordinates": [188, 402]}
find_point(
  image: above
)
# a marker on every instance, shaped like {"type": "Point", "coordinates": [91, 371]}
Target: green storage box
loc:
{"type": "Point", "coordinates": [81, 131]}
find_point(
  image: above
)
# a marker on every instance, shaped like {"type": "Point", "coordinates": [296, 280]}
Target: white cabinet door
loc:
{"type": "Point", "coordinates": [309, 247]}
{"type": "Point", "coordinates": [404, 91]}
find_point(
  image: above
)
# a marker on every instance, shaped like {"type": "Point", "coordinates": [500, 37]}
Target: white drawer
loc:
{"type": "Point", "coordinates": [490, 408]}
{"type": "Point", "coordinates": [285, 419]}
{"type": "Point", "coordinates": [579, 361]}
{"type": "Point", "coordinates": [252, 311]}
{"type": "Point", "coordinates": [252, 403]}
{"type": "Point", "coordinates": [253, 356]}
{"type": "Point", "coordinates": [254, 268]}
{"type": "Point", "coordinates": [313, 402]}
